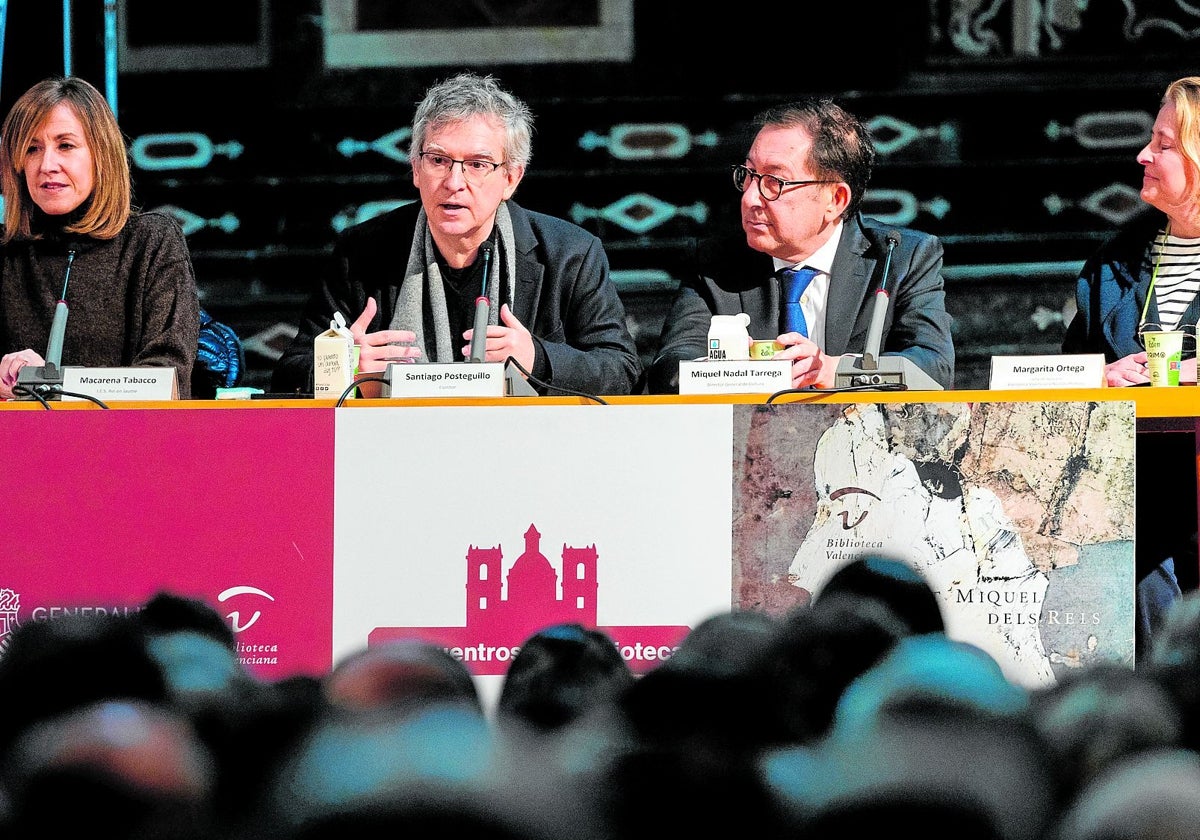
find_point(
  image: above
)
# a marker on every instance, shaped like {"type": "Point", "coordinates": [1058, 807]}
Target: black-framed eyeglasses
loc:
{"type": "Point", "coordinates": [475, 170]}
{"type": "Point", "coordinates": [769, 186]}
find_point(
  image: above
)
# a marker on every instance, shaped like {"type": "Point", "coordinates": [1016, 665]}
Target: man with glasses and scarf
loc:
{"type": "Point", "coordinates": [802, 184]}
{"type": "Point", "coordinates": [409, 279]}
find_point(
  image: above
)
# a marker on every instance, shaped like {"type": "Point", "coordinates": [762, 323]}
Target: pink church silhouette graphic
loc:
{"type": "Point", "coordinates": [504, 610]}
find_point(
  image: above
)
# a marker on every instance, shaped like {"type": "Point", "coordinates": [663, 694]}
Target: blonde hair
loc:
{"type": "Point", "coordinates": [1184, 94]}
{"type": "Point", "coordinates": [111, 201]}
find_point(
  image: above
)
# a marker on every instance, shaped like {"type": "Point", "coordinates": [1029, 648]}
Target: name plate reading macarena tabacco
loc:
{"type": "Point", "coordinates": [445, 379]}
{"type": "Point", "coordinates": [1072, 370]}
{"type": "Point", "coordinates": [120, 383]}
{"type": "Point", "coordinates": [760, 376]}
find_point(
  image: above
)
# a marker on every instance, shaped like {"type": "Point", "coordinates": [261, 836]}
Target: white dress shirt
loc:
{"type": "Point", "coordinates": [812, 302]}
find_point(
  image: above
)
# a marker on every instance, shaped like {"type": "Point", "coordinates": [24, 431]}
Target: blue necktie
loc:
{"type": "Point", "coordinates": [795, 281]}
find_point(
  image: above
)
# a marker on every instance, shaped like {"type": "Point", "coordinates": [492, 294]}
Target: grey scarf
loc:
{"type": "Point", "coordinates": [423, 282]}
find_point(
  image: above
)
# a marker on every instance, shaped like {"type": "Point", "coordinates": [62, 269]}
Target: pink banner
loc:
{"type": "Point", "coordinates": [106, 508]}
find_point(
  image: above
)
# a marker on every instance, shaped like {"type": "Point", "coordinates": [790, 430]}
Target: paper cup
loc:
{"type": "Point", "coordinates": [764, 349]}
{"type": "Point", "coordinates": [1164, 352]}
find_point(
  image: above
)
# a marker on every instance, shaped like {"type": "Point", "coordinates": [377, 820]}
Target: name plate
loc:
{"type": "Point", "coordinates": [760, 376]}
{"type": "Point", "coordinates": [120, 383]}
{"type": "Point", "coordinates": [445, 379]}
{"type": "Point", "coordinates": [1076, 370]}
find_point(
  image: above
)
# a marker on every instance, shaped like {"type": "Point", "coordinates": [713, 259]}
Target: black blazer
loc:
{"type": "Point", "coordinates": [732, 278]}
{"type": "Point", "coordinates": [565, 296]}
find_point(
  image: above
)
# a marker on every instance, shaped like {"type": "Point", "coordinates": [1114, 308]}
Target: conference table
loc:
{"type": "Point", "coordinates": [317, 529]}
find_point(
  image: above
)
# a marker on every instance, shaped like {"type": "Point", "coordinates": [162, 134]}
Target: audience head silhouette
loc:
{"type": "Point", "coordinates": [933, 732]}
{"type": "Point", "coordinates": [895, 583]}
{"type": "Point", "coordinates": [399, 676]}
{"type": "Point", "coordinates": [1096, 716]}
{"type": "Point", "coordinates": [562, 673]}
{"type": "Point", "coordinates": [1147, 796]}
{"type": "Point", "coordinates": [125, 769]}
{"type": "Point", "coordinates": [54, 666]}
{"type": "Point", "coordinates": [718, 672]}
{"type": "Point", "coordinates": [698, 719]}
{"type": "Point", "coordinates": [817, 651]}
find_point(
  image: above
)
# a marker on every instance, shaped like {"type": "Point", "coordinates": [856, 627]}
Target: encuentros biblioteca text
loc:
{"type": "Point", "coordinates": [483, 652]}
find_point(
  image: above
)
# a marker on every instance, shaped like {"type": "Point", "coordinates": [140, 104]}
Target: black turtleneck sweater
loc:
{"type": "Point", "coordinates": [132, 300]}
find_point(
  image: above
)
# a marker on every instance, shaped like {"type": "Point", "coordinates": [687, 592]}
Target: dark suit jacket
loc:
{"type": "Point", "coordinates": [1111, 291]}
{"type": "Point", "coordinates": [733, 278]}
{"type": "Point", "coordinates": [564, 296]}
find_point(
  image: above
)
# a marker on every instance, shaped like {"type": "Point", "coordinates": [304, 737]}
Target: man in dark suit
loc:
{"type": "Point", "coordinates": [802, 184]}
{"type": "Point", "coordinates": [410, 278]}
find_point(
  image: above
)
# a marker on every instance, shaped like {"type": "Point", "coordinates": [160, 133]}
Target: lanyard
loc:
{"type": "Point", "coordinates": [1154, 276]}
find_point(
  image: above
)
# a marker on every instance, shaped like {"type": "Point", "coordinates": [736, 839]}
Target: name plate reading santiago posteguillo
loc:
{"type": "Point", "coordinates": [110, 384]}
{"type": "Point", "coordinates": [757, 376]}
{"type": "Point", "coordinates": [445, 379]}
{"type": "Point", "coordinates": [1072, 370]}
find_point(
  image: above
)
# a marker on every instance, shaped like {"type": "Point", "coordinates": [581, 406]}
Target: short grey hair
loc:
{"type": "Point", "coordinates": [469, 95]}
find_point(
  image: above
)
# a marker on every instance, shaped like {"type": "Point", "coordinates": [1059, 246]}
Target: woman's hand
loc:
{"type": "Point", "coordinates": [1130, 370]}
{"type": "Point", "coordinates": [1187, 371]}
{"type": "Point", "coordinates": [10, 366]}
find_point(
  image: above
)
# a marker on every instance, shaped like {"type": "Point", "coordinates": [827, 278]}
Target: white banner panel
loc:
{"type": "Point", "coordinates": [461, 522]}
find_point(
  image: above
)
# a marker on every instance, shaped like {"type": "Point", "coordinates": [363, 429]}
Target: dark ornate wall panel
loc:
{"type": "Point", "coordinates": [1009, 129]}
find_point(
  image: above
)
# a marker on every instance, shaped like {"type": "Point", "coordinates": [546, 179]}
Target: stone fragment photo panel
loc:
{"type": "Point", "coordinates": [1019, 515]}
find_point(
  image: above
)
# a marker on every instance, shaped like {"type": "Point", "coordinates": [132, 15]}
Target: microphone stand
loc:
{"type": "Point", "coordinates": [47, 379]}
{"type": "Point", "coordinates": [482, 306]}
{"type": "Point", "coordinates": [872, 370]}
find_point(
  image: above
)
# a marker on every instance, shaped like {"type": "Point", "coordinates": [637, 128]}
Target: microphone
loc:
{"type": "Point", "coordinates": [58, 328]}
{"type": "Point", "coordinates": [875, 331]}
{"type": "Point", "coordinates": [871, 369]}
{"type": "Point", "coordinates": [44, 378]}
{"type": "Point", "coordinates": [482, 305]}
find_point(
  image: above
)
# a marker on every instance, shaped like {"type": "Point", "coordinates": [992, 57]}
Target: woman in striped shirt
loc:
{"type": "Point", "coordinates": [1148, 272]}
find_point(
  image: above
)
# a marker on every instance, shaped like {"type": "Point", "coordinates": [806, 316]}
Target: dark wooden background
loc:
{"type": "Point", "coordinates": [1010, 131]}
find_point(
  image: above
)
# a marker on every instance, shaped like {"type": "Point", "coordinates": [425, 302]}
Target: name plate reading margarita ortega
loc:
{"type": "Point", "coordinates": [761, 376]}
{"type": "Point", "coordinates": [109, 384]}
{"type": "Point", "coordinates": [445, 379]}
{"type": "Point", "coordinates": [1073, 370]}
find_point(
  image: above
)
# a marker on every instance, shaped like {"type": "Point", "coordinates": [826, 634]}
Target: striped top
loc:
{"type": "Point", "coordinates": [1178, 264]}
